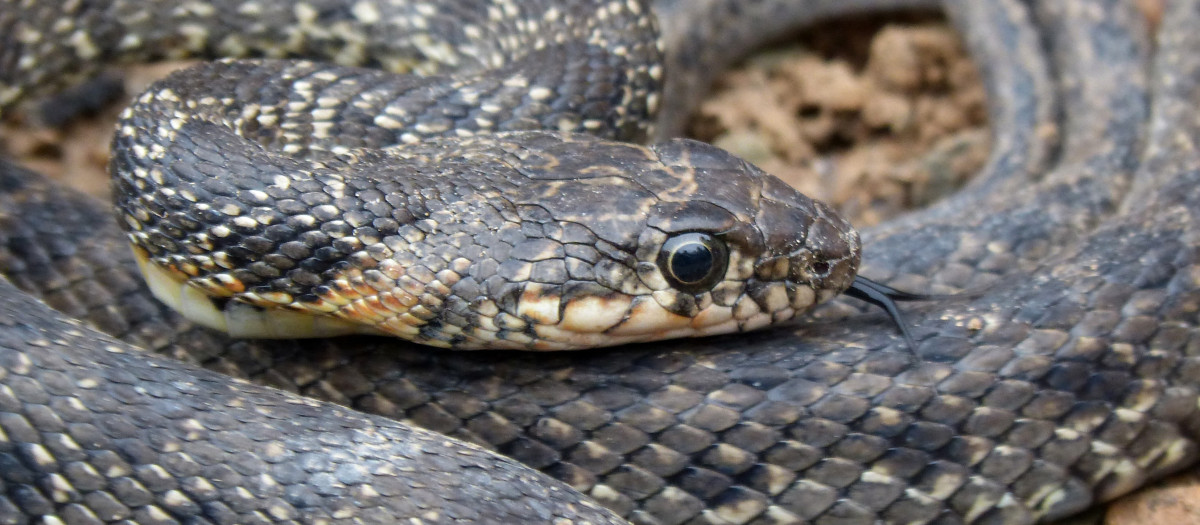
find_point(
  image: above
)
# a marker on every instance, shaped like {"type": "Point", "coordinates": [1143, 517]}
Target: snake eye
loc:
{"type": "Point", "coordinates": [693, 262]}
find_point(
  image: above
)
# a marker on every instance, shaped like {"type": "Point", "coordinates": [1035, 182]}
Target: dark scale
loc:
{"type": "Point", "coordinates": [1063, 381]}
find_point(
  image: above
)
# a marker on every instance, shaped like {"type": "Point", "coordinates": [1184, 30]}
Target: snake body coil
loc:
{"type": "Point", "coordinates": [1072, 377]}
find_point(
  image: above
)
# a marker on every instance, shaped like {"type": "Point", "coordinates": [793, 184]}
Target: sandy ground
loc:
{"type": "Point", "coordinates": [892, 123]}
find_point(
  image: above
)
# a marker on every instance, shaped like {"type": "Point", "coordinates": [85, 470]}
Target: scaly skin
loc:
{"type": "Point", "coordinates": [1071, 378]}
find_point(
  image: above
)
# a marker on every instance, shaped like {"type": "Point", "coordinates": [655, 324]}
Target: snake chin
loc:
{"type": "Point", "coordinates": [240, 319]}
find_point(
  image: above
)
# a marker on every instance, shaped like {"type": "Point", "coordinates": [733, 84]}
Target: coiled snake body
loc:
{"type": "Point", "coordinates": [1069, 379]}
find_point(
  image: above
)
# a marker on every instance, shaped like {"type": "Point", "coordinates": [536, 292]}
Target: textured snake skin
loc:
{"type": "Point", "coordinates": [1069, 378]}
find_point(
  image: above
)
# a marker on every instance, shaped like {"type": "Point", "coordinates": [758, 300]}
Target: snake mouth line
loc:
{"type": "Point", "coordinates": [586, 322]}
{"type": "Point", "coordinates": [239, 319]}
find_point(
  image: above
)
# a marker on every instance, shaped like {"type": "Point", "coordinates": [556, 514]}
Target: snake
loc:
{"type": "Point", "coordinates": [1064, 379]}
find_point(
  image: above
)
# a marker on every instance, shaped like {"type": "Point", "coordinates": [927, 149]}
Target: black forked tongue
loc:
{"type": "Point", "coordinates": [885, 297]}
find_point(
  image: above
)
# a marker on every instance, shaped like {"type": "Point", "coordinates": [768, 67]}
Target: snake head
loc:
{"type": "Point", "coordinates": [674, 240]}
{"type": "Point", "coordinates": [736, 248]}
{"type": "Point", "coordinates": [525, 240]}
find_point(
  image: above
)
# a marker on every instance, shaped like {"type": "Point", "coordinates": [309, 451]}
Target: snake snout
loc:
{"type": "Point", "coordinates": [828, 262]}
{"type": "Point", "coordinates": [821, 249]}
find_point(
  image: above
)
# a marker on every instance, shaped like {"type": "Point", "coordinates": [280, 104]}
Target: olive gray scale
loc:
{"type": "Point", "coordinates": [1069, 379]}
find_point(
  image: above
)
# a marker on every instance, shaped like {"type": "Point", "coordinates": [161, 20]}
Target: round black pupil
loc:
{"type": "Point", "coordinates": [691, 262]}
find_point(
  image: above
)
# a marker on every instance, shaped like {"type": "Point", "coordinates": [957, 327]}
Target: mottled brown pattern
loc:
{"type": "Point", "coordinates": [1069, 378]}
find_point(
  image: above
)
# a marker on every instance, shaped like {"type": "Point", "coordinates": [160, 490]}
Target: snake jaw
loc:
{"type": "Point", "coordinates": [235, 317]}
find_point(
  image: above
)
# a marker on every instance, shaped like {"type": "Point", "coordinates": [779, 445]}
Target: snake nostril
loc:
{"type": "Point", "coordinates": [820, 268]}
